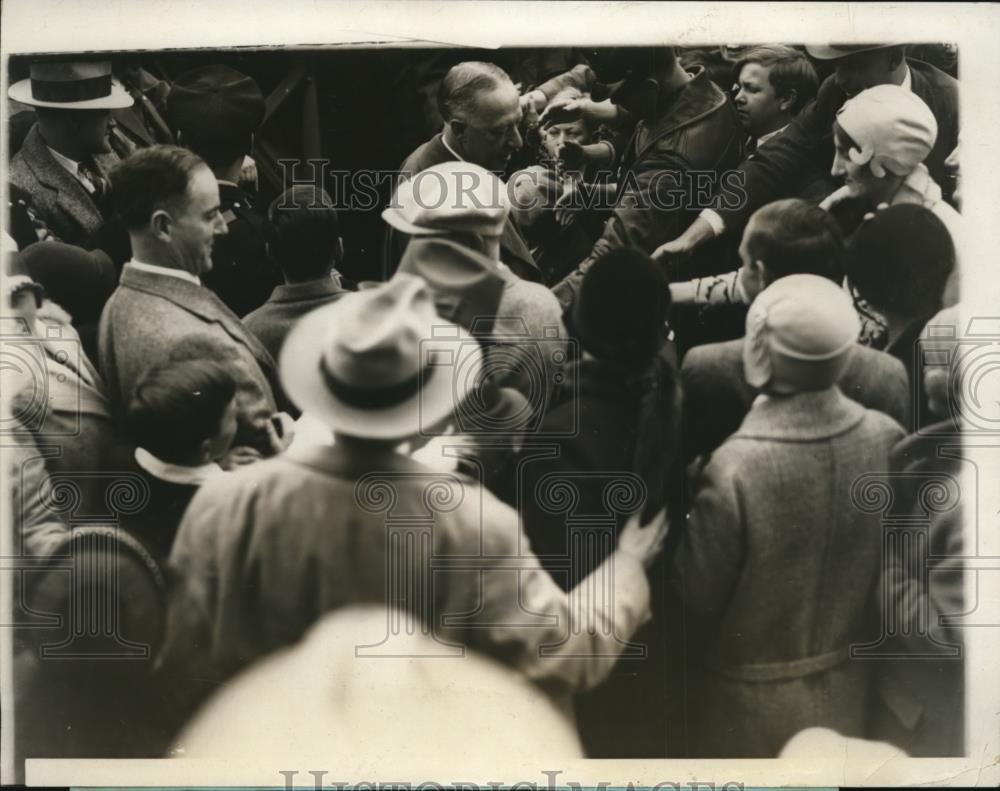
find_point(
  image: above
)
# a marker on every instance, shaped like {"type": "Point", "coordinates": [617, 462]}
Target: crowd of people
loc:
{"type": "Point", "coordinates": [588, 454]}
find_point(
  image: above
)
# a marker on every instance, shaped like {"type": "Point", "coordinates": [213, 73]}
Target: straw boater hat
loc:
{"type": "Point", "coordinates": [72, 85]}
{"type": "Point", "coordinates": [380, 363]}
{"type": "Point", "coordinates": [800, 332]}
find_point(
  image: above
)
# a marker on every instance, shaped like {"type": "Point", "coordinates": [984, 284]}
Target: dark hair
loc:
{"type": "Point", "coordinates": [178, 405]}
{"type": "Point", "coordinates": [218, 152]}
{"type": "Point", "coordinates": [149, 179]}
{"type": "Point", "coordinates": [795, 237]}
{"type": "Point", "coordinates": [790, 70]}
{"type": "Point", "coordinates": [303, 234]}
{"type": "Point", "coordinates": [458, 89]}
{"type": "Point", "coordinates": [900, 260]}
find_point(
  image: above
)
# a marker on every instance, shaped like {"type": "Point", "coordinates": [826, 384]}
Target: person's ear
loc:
{"type": "Point", "coordinates": [788, 102]}
{"type": "Point", "coordinates": [759, 270]}
{"type": "Point", "coordinates": [160, 224]}
{"type": "Point", "coordinates": [205, 450]}
{"type": "Point", "coordinates": [458, 127]}
{"type": "Point", "coordinates": [338, 250]}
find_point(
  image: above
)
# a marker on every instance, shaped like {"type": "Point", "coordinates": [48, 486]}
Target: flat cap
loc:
{"type": "Point", "coordinates": [215, 103]}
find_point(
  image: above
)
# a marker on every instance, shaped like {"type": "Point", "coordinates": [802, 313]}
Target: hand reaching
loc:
{"type": "Point", "coordinates": [644, 543]}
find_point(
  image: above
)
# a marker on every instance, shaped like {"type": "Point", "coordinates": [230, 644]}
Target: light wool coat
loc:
{"type": "Point", "coordinates": [780, 564]}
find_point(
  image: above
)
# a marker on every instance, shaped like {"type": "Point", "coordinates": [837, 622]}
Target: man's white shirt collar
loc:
{"type": "Point", "coordinates": [72, 167]}
{"type": "Point", "coordinates": [164, 270]}
{"type": "Point", "coordinates": [908, 80]}
{"type": "Point", "coordinates": [454, 153]}
{"type": "Point", "coordinates": [176, 473]}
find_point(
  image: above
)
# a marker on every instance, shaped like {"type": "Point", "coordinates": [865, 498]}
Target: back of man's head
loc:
{"type": "Point", "coordinates": [457, 91]}
{"type": "Point", "coordinates": [305, 233]}
{"type": "Point", "coordinates": [176, 407]}
{"type": "Point", "coordinates": [150, 179]}
{"type": "Point", "coordinates": [795, 237]}
{"type": "Point", "coordinates": [900, 261]}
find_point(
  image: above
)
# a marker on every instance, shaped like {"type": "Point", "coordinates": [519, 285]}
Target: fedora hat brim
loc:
{"type": "Point", "coordinates": [395, 218]}
{"type": "Point", "coordinates": [116, 100]}
{"type": "Point", "coordinates": [440, 395]}
{"type": "Point", "coordinates": [831, 52]}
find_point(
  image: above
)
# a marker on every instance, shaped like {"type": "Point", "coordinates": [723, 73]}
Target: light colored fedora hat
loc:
{"type": "Point", "coordinates": [452, 197]}
{"type": "Point", "coordinates": [77, 85]}
{"type": "Point", "coordinates": [380, 363]}
{"type": "Point", "coordinates": [837, 51]}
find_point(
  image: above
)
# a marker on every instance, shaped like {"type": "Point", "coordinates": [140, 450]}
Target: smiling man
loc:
{"type": "Point", "coordinates": [168, 199]}
{"type": "Point", "coordinates": [482, 125]}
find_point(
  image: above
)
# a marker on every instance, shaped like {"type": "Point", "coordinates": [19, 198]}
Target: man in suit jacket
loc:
{"type": "Point", "coordinates": [169, 201]}
{"type": "Point", "coordinates": [63, 163]}
{"type": "Point", "coordinates": [786, 237]}
{"type": "Point", "coordinates": [777, 169]}
{"type": "Point", "coordinates": [482, 126]}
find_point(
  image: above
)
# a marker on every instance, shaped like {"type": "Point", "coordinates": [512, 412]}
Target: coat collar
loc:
{"type": "Point", "coordinates": [802, 417]}
{"type": "Point", "coordinates": [197, 300]}
{"type": "Point", "coordinates": [297, 292]}
{"type": "Point", "coordinates": [69, 193]}
{"type": "Point", "coordinates": [699, 98]}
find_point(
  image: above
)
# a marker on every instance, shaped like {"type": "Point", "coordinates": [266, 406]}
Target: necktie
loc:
{"type": "Point", "coordinates": [89, 170]}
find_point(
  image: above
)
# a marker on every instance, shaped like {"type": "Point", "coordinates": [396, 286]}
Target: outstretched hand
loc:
{"type": "Point", "coordinates": [644, 543]}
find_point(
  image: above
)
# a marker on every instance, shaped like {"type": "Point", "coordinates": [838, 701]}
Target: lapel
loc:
{"type": "Point", "coordinates": [69, 194]}
{"type": "Point", "coordinates": [514, 244]}
{"type": "Point", "coordinates": [802, 417]}
{"type": "Point", "coordinates": [699, 98]}
{"type": "Point", "coordinates": [200, 302]}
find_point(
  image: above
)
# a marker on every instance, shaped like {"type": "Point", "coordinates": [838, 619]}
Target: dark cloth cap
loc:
{"type": "Point", "coordinates": [621, 310]}
{"type": "Point", "coordinates": [467, 286]}
{"type": "Point", "coordinates": [78, 280]}
{"type": "Point", "coordinates": [298, 198]}
{"type": "Point", "coordinates": [215, 103]}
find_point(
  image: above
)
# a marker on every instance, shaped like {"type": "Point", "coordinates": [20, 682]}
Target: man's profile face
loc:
{"type": "Point", "coordinates": [758, 106]}
{"type": "Point", "coordinates": [864, 70]}
{"type": "Point", "coordinates": [491, 134]}
{"type": "Point", "coordinates": [751, 280]}
{"type": "Point", "coordinates": [197, 221]}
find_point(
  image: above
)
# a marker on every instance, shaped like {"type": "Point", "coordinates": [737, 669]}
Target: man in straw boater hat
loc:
{"type": "Point", "coordinates": [264, 552]}
{"type": "Point", "coordinates": [63, 164]}
{"type": "Point", "coordinates": [776, 170]}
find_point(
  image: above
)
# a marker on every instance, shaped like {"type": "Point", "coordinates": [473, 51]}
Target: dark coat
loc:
{"type": "Point", "coordinates": [778, 168]}
{"type": "Point", "coordinates": [242, 274]}
{"type": "Point", "coordinates": [514, 250]}
{"type": "Point", "coordinates": [60, 201]}
{"type": "Point", "coordinates": [923, 700]}
{"type": "Point", "coordinates": [698, 132]}
{"type": "Point", "coordinates": [717, 396]}
{"type": "Point", "coordinates": [779, 559]}
{"type": "Point", "coordinates": [151, 318]}
{"type": "Point", "coordinates": [273, 320]}
{"type": "Point", "coordinates": [596, 435]}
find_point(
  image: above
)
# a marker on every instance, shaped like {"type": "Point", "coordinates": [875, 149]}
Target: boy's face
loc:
{"type": "Point", "coordinates": [227, 432]}
{"type": "Point", "coordinates": [758, 106]}
{"type": "Point", "coordinates": [554, 137]}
